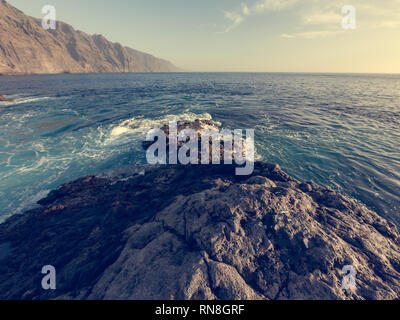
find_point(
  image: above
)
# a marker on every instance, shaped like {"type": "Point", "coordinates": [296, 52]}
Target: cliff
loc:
{"type": "Point", "coordinates": [26, 47]}
{"type": "Point", "coordinates": [199, 232]}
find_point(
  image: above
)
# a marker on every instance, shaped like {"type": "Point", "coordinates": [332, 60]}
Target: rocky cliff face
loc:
{"type": "Point", "coordinates": [25, 47]}
{"type": "Point", "coordinates": [199, 232]}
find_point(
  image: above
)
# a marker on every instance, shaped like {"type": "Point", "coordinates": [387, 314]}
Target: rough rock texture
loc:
{"type": "Point", "coordinates": [26, 47]}
{"type": "Point", "coordinates": [237, 146]}
{"type": "Point", "coordinates": [199, 232]}
{"type": "Point", "coordinates": [196, 125]}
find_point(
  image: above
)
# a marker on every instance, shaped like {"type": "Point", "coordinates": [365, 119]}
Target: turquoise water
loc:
{"type": "Point", "coordinates": [341, 131]}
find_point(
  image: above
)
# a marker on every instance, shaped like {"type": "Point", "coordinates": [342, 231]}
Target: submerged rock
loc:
{"type": "Point", "coordinates": [200, 127]}
{"type": "Point", "coordinates": [3, 99]}
{"type": "Point", "coordinates": [199, 232]}
{"type": "Point", "coordinates": [196, 125]}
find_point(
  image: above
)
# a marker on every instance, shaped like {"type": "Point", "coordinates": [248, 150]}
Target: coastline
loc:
{"type": "Point", "coordinates": [199, 232]}
{"type": "Point", "coordinates": [125, 177]}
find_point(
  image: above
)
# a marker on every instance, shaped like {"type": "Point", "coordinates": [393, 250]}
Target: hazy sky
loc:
{"type": "Point", "coordinates": [240, 35]}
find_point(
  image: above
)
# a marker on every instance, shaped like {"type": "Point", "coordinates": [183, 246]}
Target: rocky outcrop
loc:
{"type": "Point", "coordinates": [199, 128]}
{"type": "Point", "coordinates": [199, 232]}
{"type": "Point", "coordinates": [26, 47]}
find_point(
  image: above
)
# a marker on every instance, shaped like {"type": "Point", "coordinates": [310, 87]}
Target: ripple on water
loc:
{"type": "Point", "coordinates": [341, 131]}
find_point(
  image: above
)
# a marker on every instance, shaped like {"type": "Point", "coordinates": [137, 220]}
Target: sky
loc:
{"type": "Point", "coordinates": [245, 35]}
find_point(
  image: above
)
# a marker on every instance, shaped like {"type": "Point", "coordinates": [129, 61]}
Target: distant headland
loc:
{"type": "Point", "coordinates": [27, 48]}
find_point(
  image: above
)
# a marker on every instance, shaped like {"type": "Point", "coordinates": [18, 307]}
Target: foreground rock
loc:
{"type": "Point", "coordinates": [4, 99]}
{"type": "Point", "coordinates": [199, 232]}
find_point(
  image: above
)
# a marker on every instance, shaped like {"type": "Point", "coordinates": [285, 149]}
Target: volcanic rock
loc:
{"type": "Point", "coordinates": [199, 232]}
{"type": "Point", "coordinates": [199, 126]}
{"type": "Point", "coordinates": [27, 48]}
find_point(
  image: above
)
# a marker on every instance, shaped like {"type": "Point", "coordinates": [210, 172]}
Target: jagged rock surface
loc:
{"type": "Point", "coordinates": [26, 47]}
{"type": "Point", "coordinates": [199, 232]}
{"type": "Point", "coordinates": [197, 126]}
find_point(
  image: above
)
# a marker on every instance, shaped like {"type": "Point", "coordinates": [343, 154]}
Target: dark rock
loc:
{"type": "Point", "coordinates": [198, 232]}
{"type": "Point", "coordinates": [198, 125]}
{"type": "Point", "coordinates": [3, 99]}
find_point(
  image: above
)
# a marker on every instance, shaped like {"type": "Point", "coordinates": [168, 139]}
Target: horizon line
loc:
{"type": "Point", "coordinates": [174, 72]}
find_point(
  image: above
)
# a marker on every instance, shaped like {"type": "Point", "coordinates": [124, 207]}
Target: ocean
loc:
{"type": "Point", "coordinates": [340, 131]}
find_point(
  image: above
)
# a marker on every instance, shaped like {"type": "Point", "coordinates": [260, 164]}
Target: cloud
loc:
{"type": "Point", "coordinates": [272, 5]}
{"type": "Point", "coordinates": [238, 16]}
{"type": "Point", "coordinates": [245, 9]}
{"type": "Point", "coordinates": [326, 14]}
{"type": "Point", "coordinates": [375, 16]}
{"type": "Point", "coordinates": [310, 34]}
{"type": "Point", "coordinates": [390, 24]}
{"type": "Point", "coordinates": [322, 18]}
{"type": "Point", "coordinates": [235, 18]}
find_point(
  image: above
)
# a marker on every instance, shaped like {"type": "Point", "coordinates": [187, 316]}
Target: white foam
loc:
{"type": "Point", "coordinates": [27, 204]}
{"type": "Point", "coordinates": [139, 126]}
{"type": "Point", "coordinates": [20, 100]}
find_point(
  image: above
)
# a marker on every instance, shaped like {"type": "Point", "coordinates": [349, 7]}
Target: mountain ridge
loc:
{"type": "Point", "coordinates": [27, 48]}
